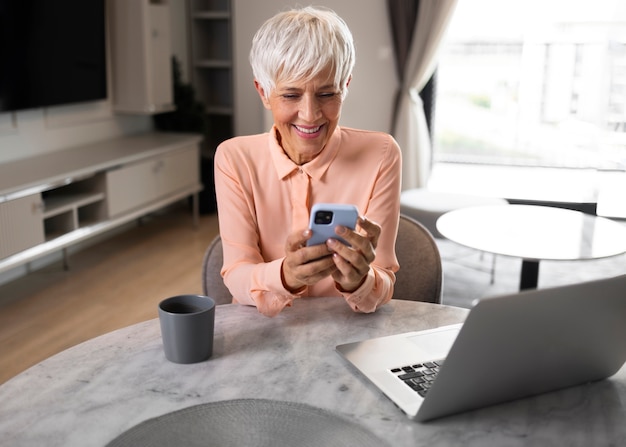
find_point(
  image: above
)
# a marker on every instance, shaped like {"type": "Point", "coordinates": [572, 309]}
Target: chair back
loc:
{"type": "Point", "coordinates": [212, 281]}
{"type": "Point", "coordinates": [420, 276]}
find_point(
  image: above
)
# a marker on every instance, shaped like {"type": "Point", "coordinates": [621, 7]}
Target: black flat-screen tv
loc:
{"type": "Point", "coordinates": [52, 52]}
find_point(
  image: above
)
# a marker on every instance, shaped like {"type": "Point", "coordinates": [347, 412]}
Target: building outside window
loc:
{"type": "Point", "coordinates": [533, 83]}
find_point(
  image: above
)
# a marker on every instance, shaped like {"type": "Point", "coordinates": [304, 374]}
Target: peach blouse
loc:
{"type": "Point", "coordinates": [263, 196]}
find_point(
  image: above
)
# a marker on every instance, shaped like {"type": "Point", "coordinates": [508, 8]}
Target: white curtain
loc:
{"type": "Point", "coordinates": [409, 126]}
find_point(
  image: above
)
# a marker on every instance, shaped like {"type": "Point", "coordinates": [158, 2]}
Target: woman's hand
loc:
{"type": "Point", "coordinates": [353, 263]}
{"type": "Point", "coordinates": [305, 266]}
{"type": "Point", "coordinates": [349, 266]}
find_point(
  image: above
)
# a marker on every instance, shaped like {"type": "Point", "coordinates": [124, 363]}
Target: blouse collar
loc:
{"type": "Point", "coordinates": [314, 168]}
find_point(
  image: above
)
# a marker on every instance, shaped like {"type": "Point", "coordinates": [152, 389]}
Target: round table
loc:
{"type": "Point", "coordinates": [426, 206]}
{"type": "Point", "coordinates": [93, 392]}
{"type": "Point", "coordinates": [534, 233]}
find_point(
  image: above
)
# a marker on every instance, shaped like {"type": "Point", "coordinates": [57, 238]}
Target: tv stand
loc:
{"type": "Point", "coordinates": [52, 201]}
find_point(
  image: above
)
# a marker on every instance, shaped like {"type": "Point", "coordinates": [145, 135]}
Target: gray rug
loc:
{"type": "Point", "coordinates": [249, 422]}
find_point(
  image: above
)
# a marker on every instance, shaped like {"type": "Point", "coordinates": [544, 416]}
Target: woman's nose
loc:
{"type": "Point", "coordinates": [309, 108]}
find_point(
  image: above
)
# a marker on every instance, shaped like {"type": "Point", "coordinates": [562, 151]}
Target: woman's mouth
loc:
{"type": "Point", "coordinates": [308, 131]}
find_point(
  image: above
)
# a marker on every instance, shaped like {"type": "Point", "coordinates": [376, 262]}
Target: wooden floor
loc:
{"type": "Point", "coordinates": [110, 285]}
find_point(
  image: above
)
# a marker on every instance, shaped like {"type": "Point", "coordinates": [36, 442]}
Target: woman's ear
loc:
{"type": "Point", "coordinates": [348, 81]}
{"type": "Point", "coordinates": [261, 92]}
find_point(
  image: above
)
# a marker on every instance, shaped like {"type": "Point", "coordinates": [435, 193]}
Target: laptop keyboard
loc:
{"type": "Point", "coordinates": [418, 377]}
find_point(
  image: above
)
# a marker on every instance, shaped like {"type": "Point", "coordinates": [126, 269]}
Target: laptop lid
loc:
{"type": "Point", "coordinates": [509, 347]}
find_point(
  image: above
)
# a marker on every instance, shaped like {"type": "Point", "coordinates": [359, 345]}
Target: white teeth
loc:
{"type": "Point", "coordinates": [315, 129]}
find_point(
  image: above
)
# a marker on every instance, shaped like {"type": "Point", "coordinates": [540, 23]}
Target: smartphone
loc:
{"type": "Point", "coordinates": [326, 216]}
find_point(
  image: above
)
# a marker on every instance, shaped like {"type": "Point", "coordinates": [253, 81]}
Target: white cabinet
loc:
{"type": "Point", "coordinates": [52, 201]}
{"type": "Point", "coordinates": [135, 185]}
{"type": "Point", "coordinates": [21, 224]}
{"type": "Point", "coordinates": [141, 56]}
{"type": "Point", "coordinates": [179, 170]}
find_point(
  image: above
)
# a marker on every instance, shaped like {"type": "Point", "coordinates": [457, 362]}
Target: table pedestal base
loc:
{"type": "Point", "coordinates": [530, 275]}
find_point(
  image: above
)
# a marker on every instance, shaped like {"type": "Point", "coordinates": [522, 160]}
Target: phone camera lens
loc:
{"type": "Point", "coordinates": [323, 217]}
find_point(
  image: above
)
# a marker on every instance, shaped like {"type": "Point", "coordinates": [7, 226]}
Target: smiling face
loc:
{"type": "Point", "coordinates": [306, 114]}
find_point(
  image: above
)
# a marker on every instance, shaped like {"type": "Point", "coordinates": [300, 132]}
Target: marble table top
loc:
{"type": "Point", "coordinates": [534, 232]}
{"type": "Point", "coordinates": [89, 394]}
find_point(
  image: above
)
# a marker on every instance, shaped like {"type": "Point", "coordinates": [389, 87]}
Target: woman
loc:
{"type": "Point", "coordinates": [302, 62]}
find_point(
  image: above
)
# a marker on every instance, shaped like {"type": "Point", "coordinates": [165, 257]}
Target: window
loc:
{"type": "Point", "coordinates": [533, 83]}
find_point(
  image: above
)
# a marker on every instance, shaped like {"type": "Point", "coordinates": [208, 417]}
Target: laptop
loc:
{"type": "Point", "coordinates": [509, 347]}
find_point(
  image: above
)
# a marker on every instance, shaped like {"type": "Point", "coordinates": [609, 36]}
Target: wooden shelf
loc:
{"type": "Point", "coordinates": [211, 15]}
{"type": "Point", "coordinates": [215, 110]}
{"type": "Point", "coordinates": [58, 205]}
{"type": "Point", "coordinates": [212, 62]}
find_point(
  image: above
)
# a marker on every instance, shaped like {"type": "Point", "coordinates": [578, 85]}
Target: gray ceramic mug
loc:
{"type": "Point", "coordinates": [187, 323]}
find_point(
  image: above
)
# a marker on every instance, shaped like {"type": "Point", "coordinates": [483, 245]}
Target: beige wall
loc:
{"type": "Point", "coordinates": [38, 131]}
{"type": "Point", "coordinates": [369, 102]}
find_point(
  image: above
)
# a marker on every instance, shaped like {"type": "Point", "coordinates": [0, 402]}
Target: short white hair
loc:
{"type": "Point", "coordinates": [301, 43]}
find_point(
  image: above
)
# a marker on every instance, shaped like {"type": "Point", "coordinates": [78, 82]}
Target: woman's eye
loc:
{"type": "Point", "coordinates": [298, 96]}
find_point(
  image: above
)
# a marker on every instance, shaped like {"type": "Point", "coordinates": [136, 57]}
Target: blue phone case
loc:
{"type": "Point", "coordinates": [340, 214]}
